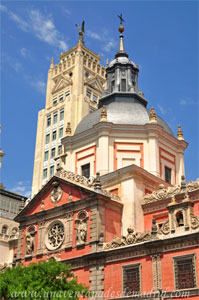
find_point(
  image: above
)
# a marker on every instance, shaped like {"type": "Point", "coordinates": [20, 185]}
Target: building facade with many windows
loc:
{"type": "Point", "coordinates": [118, 208]}
{"type": "Point", "coordinates": [74, 87]}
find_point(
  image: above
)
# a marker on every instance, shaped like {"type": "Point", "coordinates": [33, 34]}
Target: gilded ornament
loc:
{"type": "Point", "coordinates": [152, 116]}
{"type": "Point", "coordinates": [180, 133]}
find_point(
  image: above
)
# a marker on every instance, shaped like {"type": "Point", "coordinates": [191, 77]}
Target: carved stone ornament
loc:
{"type": "Point", "coordinates": [161, 194]}
{"type": "Point", "coordinates": [164, 193]}
{"type": "Point", "coordinates": [88, 182]}
{"type": "Point", "coordinates": [81, 229]}
{"type": "Point", "coordinates": [165, 229]}
{"type": "Point", "coordinates": [194, 222]}
{"type": "Point", "coordinates": [55, 235]}
{"type": "Point", "coordinates": [30, 240]}
{"type": "Point", "coordinates": [131, 238]}
{"type": "Point", "coordinates": [56, 194]}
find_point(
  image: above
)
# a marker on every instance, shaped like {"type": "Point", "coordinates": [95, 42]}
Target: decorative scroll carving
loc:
{"type": "Point", "coordinates": [165, 229]}
{"type": "Point", "coordinates": [161, 194]}
{"type": "Point", "coordinates": [192, 185]}
{"type": "Point", "coordinates": [30, 240]}
{"type": "Point", "coordinates": [164, 193]}
{"type": "Point", "coordinates": [55, 235]}
{"type": "Point", "coordinates": [194, 222]}
{"type": "Point", "coordinates": [88, 182]}
{"type": "Point", "coordinates": [56, 194]}
{"type": "Point", "coordinates": [82, 227]}
{"type": "Point", "coordinates": [131, 238]}
{"type": "Point", "coordinates": [77, 178]}
{"type": "Point", "coordinates": [111, 195]}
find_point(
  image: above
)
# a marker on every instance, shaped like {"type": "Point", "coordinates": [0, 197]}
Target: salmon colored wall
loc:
{"type": "Point", "coordinates": [196, 208]}
{"type": "Point", "coordinates": [83, 276]}
{"type": "Point", "coordinates": [76, 195]}
{"type": "Point", "coordinates": [112, 224]}
{"type": "Point", "coordinates": [149, 216]}
{"type": "Point", "coordinates": [113, 276]}
{"type": "Point", "coordinates": [167, 266]}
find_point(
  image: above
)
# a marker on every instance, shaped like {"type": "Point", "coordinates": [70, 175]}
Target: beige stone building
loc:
{"type": "Point", "coordinates": [74, 87]}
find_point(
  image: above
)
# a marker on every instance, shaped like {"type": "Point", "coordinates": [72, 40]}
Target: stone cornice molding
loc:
{"type": "Point", "coordinates": [132, 171]}
{"type": "Point", "coordinates": [148, 248]}
{"type": "Point", "coordinates": [148, 130]}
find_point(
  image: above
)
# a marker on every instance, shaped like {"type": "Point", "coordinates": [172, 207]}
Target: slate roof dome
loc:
{"type": "Point", "coordinates": [125, 103]}
{"type": "Point", "coordinates": [130, 112]}
{"type": "Point", "coordinates": [122, 60]}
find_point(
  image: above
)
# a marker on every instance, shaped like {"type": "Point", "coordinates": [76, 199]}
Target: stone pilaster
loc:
{"type": "Point", "coordinates": [96, 282]}
{"type": "Point", "coordinates": [157, 272]}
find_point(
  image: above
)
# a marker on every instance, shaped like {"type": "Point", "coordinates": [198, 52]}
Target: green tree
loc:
{"type": "Point", "coordinates": [40, 281]}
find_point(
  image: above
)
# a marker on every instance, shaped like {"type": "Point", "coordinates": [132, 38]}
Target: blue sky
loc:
{"type": "Point", "coordinates": [160, 36]}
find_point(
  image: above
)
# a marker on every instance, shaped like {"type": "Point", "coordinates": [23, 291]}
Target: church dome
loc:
{"type": "Point", "coordinates": [129, 112]}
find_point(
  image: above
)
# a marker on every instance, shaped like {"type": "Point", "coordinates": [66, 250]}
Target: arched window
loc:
{"type": "Point", "coordinates": [179, 219]}
{"type": "Point", "coordinates": [4, 229]}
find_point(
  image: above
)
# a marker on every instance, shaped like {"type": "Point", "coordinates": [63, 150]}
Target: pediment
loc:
{"type": "Point", "coordinates": [61, 83]}
{"type": "Point", "coordinates": [55, 193]}
{"type": "Point", "coordinates": [95, 83]}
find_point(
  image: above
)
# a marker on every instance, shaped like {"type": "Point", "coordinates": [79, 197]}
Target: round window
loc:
{"type": "Point", "coordinates": [55, 236]}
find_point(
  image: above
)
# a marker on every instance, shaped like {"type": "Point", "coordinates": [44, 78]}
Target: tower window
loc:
{"type": "Point", "coordinates": [51, 170]}
{"type": "Point", "coordinates": [47, 138]}
{"type": "Point", "coordinates": [88, 94]}
{"type": "Point", "coordinates": [112, 85]}
{"type": "Point", "coordinates": [61, 115]}
{"type": "Point", "coordinates": [45, 155]}
{"type": "Point", "coordinates": [59, 149]}
{"type": "Point", "coordinates": [54, 101]}
{"type": "Point", "coordinates": [44, 173]}
{"type": "Point", "coordinates": [55, 118]}
{"type": "Point", "coordinates": [123, 85]}
{"type": "Point", "coordinates": [167, 175]}
{"type": "Point", "coordinates": [67, 94]}
{"type": "Point", "coordinates": [54, 135]}
{"type": "Point", "coordinates": [52, 152]}
{"type": "Point", "coordinates": [95, 98]}
{"type": "Point", "coordinates": [131, 279]}
{"type": "Point", "coordinates": [4, 229]}
{"type": "Point", "coordinates": [86, 170]}
{"type": "Point", "coordinates": [185, 273]}
{"type": "Point", "coordinates": [48, 121]}
{"type": "Point", "coordinates": [61, 98]}
{"type": "Point", "coordinates": [60, 132]}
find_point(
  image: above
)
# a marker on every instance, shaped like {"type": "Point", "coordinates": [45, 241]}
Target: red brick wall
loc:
{"type": "Point", "coordinates": [77, 194]}
{"type": "Point", "coordinates": [160, 215]}
{"type": "Point", "coordinates": [113, 276]}
{"type": "Point", "coordinates": [112, 224]}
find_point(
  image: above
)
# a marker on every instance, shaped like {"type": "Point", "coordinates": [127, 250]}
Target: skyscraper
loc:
{"type": "Point", "coordinates": [74, 87]}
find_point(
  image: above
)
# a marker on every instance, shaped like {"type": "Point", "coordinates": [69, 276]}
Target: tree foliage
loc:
{"type": "Point", "coordinates": [43, 280]}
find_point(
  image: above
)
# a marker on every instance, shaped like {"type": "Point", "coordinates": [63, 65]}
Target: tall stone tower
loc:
{"type": "Point", "coordinates": [74, 87]}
